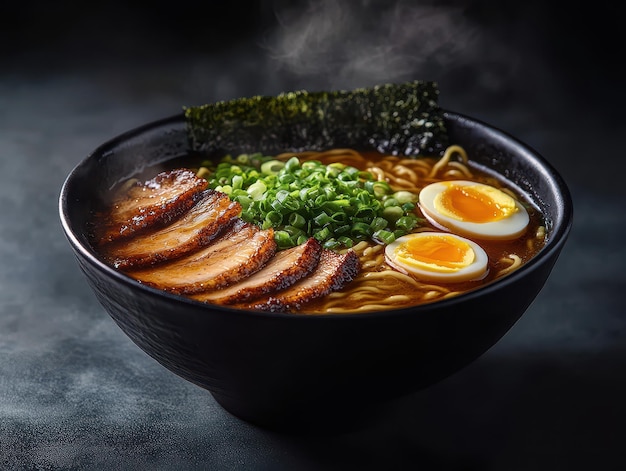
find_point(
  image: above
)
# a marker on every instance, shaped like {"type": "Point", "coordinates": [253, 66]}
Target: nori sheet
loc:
{"type": "Point", "coordinates": [400, 119]}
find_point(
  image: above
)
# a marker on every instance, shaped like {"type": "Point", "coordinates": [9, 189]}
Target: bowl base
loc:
{"type": "Point", "coordinates": [311, 419]}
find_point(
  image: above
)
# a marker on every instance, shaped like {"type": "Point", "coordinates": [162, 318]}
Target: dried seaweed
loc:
{"type": "Point", "coordinates": [401, 119]}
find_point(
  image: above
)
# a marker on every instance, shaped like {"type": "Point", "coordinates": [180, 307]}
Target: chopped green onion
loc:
{"type": "Point", "coordinates": [297, 220]}
{"type": "Point", "coordinates": [283, 239]}
{"type": "Point", "coordinates": [332, 244]}
{"type": "Point", "coordinates": [323, 234]}
{"type": "Point", "coordinates": [390, 201]}
{"type": "Point", "coordinates": [337, 204]}
{"type": "Point", "coordinates": [292, 164]}
{"type": "Point", "coordinates": [274, 218]}
{"type": "Point", "coordinates": [361, 230]}
{"type": "Point", "coordinates": [393, 213]}
{"type": "Point", "coordinates": [322, 219]}
{"type": "Point", "coordinates": [345, 241]}
{"type": "Point", "coordinates": [256, 190]}
{"type": "Point", "coordinates": [405, 197]}
{"type": "Point", "coordinates": [237, 182]}
{"type": "Point", "coordinates": [384, 237]}
{"type": "Point", "coordinates": [378, 223]}
{"type": "Point", "coordinates": [272, 167]}
{"type": "Point", "coordinates": [406, 222]}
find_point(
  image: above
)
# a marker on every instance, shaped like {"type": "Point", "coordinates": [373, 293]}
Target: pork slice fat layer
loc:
{"type": "Point", "coordinates": [195, 229]}
{"type": "Point", "coordinates": [233, 256]}
{"type": "Point", "coordinates": [283, 270]}
{"type": "Point", "coordinates": [157, 201]}
{"type": "Point", "coordinates": [332, 273]}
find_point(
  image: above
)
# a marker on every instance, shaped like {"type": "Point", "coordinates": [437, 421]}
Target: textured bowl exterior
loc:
{"type": "Point", "coordinates": [301, 372]}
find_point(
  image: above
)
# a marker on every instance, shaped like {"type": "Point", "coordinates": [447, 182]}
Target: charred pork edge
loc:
{"type": "Point", "coordinates": [302, 266]}
{"type": "Point", "coordinates": [205, 235]}
{"type": "Point", "coordinates": [346, 270]}
{"type": "Point", "coordinates": [153, 215]}
{"type": "Point", "coordinates": [265, 251]}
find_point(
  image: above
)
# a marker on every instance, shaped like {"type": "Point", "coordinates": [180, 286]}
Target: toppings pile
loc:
{"type": "Point", "coordinates": [174, 233]}
{"type": "Point", "coordinates": [337, 204]}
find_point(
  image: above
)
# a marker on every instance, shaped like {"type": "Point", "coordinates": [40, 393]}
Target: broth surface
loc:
{"type": "Point", "coordinates": [378, 286]}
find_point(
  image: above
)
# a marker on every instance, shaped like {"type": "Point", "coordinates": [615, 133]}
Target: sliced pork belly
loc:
{"type": "Point", "coordinates": [196, 228]}
{"type": "Point", "coordinates": [283, 270]}
{"type": "Point", "coordinates": [239, 252]}
{"type": "Point", "coordinates": [332, 273]}
{"type": "Point", "coordinates": [157, 201]}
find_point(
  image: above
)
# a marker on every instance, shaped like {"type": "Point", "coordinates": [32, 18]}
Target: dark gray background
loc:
{"type": "Point", "coordinates": [75, 393]}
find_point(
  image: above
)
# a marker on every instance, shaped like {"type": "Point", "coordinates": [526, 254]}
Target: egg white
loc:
{"type": "Point", "coordinates": [510, 227]}
{"type": "Point", "coordinates": [476, 270]}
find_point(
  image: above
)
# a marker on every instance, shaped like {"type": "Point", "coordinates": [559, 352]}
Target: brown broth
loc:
{"type": "Point", "coordinates": [357, 296]}
{"type": "Point", "coordinates": [525, 247]}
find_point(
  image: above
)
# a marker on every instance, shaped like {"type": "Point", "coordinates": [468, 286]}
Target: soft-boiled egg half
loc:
{"type": "Point", "coordinates": [473, 210]}
{"type": "Point", "coordinates": [437, 256]}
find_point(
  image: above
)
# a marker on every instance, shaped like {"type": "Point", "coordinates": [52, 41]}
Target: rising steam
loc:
{"type": "Point", "coordinates": [346, 44]}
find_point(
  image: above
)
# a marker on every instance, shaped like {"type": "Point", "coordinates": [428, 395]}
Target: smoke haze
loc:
{"type": "Point", "coordinates": [345, 44]}
{"type": "Point", "coordinates": [476, 50]}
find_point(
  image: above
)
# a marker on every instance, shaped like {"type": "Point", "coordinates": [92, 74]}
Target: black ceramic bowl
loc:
{"type": "Point", "coordinates": [296, 372]}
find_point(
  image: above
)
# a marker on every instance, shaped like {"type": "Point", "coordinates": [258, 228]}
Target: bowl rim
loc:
{"type": "Point", "coordinates": [558, 235]}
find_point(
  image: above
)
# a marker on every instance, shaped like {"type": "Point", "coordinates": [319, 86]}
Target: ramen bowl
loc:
{"type": "Point", "coordinates": [292, 372]}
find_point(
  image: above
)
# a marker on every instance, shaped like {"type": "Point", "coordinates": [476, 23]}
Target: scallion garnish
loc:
{"type": "Point", "coordinates": [337, 204]}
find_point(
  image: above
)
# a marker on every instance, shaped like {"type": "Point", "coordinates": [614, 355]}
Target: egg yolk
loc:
{"type": "Point", "coordinates": [475, 203]}
{"type": "Point", "coordinates": [441, 253]}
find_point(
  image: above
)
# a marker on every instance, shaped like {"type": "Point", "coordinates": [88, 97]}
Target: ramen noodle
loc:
{"type": "Point", "coordinates": [380, 287]}
{"type": "Point", "coordinates": [382, 284]}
